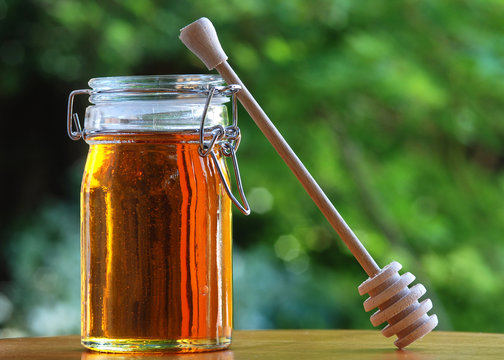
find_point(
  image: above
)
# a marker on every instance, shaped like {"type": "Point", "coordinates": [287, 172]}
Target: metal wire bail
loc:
{"type": "Point", "coordinates": [73, 118]}
{"type": "Point", "coordinates": [229, 140]}
{"type": "Point", "coordinates": [227, 137]}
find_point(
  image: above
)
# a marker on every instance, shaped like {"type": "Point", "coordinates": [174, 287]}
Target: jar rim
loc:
{"type": "Point", "coordinates": [152, 87]}
{"type": "Point", "coordinates": [189, 81]}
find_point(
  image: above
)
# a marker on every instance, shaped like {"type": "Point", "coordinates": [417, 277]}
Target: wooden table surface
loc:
{"type": "Point", "coordinates": [283, 344]}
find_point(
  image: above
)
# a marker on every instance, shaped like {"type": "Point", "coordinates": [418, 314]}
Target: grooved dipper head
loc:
{"type": "Point", "coordinates": [398, 305]}
{"type": "Point", "coordinates": [200, 37]}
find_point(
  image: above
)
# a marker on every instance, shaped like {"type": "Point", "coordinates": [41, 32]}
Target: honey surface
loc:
{"type": "Point", "coordinates": [155, 241]}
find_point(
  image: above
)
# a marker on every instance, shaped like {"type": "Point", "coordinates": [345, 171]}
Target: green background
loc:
{"type": "Point", "coordinates": [394, 106]}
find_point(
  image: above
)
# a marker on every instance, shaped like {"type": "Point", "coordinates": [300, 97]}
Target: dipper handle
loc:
{"type": "Point", "coordinates": [200, 37]}
{"type": "Point", "coordinates": [398, 304]}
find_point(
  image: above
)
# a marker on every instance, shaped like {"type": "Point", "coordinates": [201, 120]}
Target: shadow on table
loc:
{"type": "Point", "coordinates": [391, 354]}
{"type": "Point", "coordinates": [215, 355]}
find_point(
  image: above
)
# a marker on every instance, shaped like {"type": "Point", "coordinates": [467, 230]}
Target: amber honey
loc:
{"type": "Point", "coordinates": [155, 245]}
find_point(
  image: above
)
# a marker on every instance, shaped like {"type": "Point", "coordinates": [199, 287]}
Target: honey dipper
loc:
{"type": "Point", "coordinates": [397, 304]}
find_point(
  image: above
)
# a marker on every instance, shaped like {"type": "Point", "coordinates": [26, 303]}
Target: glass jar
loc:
{"type": "Point", "coordinates": [156, 269]}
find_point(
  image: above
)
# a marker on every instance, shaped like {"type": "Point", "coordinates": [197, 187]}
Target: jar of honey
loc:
{"type": "Point", "coordinates": [156, 262]}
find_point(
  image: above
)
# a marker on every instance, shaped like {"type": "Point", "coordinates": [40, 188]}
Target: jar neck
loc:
{"type": "Point", "coordinates": [153, 103]}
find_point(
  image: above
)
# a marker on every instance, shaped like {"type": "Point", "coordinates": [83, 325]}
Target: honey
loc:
{"type": "Point", "coordinates": [156, 261]}
{"type": "Point", "coordinates": [155, 245]}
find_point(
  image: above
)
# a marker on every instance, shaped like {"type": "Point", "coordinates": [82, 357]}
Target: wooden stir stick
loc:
{"type": "Point", "coordinates": [398, 304]}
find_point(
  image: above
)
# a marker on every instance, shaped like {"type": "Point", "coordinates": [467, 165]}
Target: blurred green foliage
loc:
{"type": "Point", "coordinates": [394, 106]}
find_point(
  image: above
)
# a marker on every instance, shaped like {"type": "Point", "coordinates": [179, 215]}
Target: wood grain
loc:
{"type": "Point", "coordinates": [283, 344]}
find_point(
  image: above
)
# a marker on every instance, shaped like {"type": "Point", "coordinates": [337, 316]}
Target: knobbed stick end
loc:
{"type": "Point", "coordinates": [398, 305]}
{"type": "Point", "coordinates": [201, 38]}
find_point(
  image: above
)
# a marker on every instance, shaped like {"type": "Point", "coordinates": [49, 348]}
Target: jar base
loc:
{"type": "Point", "coordinates": [156, 345]}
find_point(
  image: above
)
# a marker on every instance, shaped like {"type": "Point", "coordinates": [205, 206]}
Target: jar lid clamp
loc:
{"type": "Point", "coordinates": [227, 137]}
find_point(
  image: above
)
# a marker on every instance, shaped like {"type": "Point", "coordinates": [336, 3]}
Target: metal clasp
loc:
{"type": "Point", "coordinates": [73, 118]}
{"type": "Point", "coordinates": [229, 140]}
{"type": "Point", "coordinates": [227, 137]}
